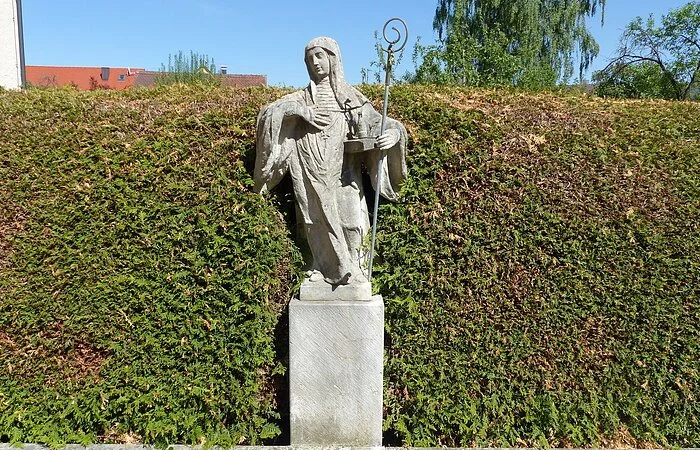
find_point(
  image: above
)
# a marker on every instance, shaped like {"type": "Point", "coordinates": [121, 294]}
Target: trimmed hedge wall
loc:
{"type": "Point", "coordinates": [141, 281]}
{"type": "Point", "coordinates": [541, 275]}
{"type": "Point", "coordinates": [543, 278]}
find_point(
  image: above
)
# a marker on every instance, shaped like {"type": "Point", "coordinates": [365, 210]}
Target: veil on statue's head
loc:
{"type": "Point", "coordinates": [333, 51]}
{"type": "Point", "coordinates": [340, 87]}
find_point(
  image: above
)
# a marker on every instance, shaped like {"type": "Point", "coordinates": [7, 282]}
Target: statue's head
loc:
{"type": "Point", "coordinates": [322, 57]}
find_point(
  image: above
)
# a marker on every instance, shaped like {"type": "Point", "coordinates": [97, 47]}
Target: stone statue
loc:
{"type": "Point", "coordinates": [313, 135]}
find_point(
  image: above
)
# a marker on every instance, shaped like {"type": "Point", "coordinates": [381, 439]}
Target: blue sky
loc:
{"type": "Point", "coordinates": [249, 36]}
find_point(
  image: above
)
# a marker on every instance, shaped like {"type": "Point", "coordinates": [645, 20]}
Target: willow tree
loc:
{"type": "Point", "coordinates": [530, 43]}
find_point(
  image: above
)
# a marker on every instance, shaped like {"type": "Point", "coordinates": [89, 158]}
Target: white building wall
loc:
{"type": "Point", "coordinates": [10, 64]}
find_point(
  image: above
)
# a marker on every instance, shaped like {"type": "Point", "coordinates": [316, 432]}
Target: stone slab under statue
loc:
{"type": "Point", "coordinates": [321, 291]}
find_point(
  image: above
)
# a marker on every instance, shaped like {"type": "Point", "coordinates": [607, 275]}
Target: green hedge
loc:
{"type": "Point", "coordinates": [541, 275]}
{"type": "Point", "coordinates": [543, 278]}
{"type": "Point", "coordinates": [142, 281]}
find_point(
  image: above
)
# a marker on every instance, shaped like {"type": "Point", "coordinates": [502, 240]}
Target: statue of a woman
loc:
{"type": "Point", "coordinates": [303, 133]}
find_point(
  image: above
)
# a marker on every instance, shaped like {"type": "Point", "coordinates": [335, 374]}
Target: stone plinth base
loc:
{"type": "Point", "coordinates": [335, 372]}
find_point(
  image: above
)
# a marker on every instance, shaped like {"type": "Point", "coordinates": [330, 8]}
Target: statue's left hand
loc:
{"type": "Point", "coordinates": [388, 139]}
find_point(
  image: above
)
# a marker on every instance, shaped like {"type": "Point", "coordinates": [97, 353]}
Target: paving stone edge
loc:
{"type": "Point", "coordinates": [5, 446]}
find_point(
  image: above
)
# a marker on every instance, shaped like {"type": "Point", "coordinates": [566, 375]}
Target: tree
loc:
{"type": "Point", "coordinates": [671, 52]}
{"type": "Point", "coordinates": [529, 43]}
{"type": "Point", "coordinates": [181, 69]}
{"type": "Point", "coordinates": [377, 67]}
{"type": "Point", "coordinates": [643, 80]}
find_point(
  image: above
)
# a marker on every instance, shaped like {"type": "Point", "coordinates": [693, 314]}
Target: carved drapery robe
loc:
{"type": "Point", "coordinates": [327, 181]}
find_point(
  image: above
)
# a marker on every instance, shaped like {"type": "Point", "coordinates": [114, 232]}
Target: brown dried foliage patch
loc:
{"type": "Point", "coordinates": [62, 357]}
{"type": "Point", "coordinates": [575, 150]}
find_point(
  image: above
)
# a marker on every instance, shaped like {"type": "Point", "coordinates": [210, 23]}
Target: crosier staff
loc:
{"type": "Point", "coordinates": [390, 50]}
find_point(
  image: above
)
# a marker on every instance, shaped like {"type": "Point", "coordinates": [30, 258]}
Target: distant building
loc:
{"type": "Point", "coordinates": [148, 78]}
{"type": "Point", "coordinates": [119, 78]}
{"type": "Point", "coordinates": [11, 45]}
{"type": "Point", "coordinates": [87, 78]}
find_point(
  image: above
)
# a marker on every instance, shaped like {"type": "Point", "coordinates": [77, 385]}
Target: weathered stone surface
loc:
{"type": "Point", "coordinates": [335, 374]}
{"type": "Point", "coordinates": [320, 291]}
{"type": "Point", "coordinates": [313, 135]}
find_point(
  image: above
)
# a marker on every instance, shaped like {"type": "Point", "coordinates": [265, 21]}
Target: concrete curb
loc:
{"type": "Point", "coordinates": [273, 447]}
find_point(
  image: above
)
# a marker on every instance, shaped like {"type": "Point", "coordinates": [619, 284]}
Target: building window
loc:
{"type": "Point", "coordinates": [122, 77]}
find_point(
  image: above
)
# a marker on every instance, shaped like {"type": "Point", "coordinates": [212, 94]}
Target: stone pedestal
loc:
{"type": "Point", "coordinates": [335, 372]}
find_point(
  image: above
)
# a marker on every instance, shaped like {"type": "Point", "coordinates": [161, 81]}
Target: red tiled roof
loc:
{"type": "Point", "coordinates": [148, 78]}
{"type": "Point", "coordinates": [82, 77]}
{"type": "Point", "coordinates": [89, 78]}
{"type": "Point", "coordinates": [235, 80]}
